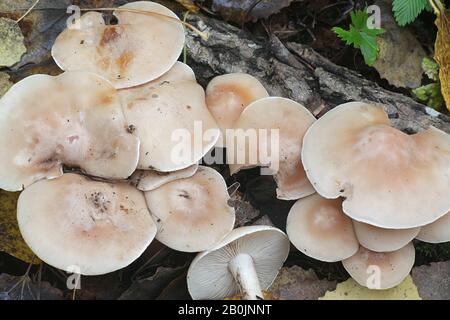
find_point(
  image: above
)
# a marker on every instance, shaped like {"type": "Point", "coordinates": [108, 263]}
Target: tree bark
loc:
{"type": "Point", "coordinates": [297, 72]}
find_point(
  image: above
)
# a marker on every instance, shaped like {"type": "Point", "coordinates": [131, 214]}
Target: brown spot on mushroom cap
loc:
{"type": "Point", "coordinates": [390, 179]}
{"type": "Point", "coordinates": [193, 213]}
{"type": "Point", "coordinates": [380, 270]}
{"type": "Point", "coordinates": [45, 122]}
{"type": "Point", "coordinates": [317, 227]}
{"type": "Point", "coordinates": [138, 49]}
{"type": "Point", "coordinates": [290, 120]}
{"type": "Point", "coordinates": [96, 226]}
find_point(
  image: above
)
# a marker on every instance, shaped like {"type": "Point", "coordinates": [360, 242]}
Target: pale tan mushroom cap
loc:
{"type": "Point", "coordinates": [74, 119]}
{"type": "Point", "coordinates": [171, 119]}
{"type": "Point", "coordinates": [436, 232]}
{"type": "Point", "coordinates": [317, 227]}
{"type": "Point", "coordinates": [192, 214]}
{"type": "Point", "coordinates": [389, 179]}
{"type": "Point", "coordinates": [97, 227]}
{"type": "Point", "coordinates": [209, 277]}
{"type": "Point", "coordinates": [227, 96]}
{"type": "Point", "coordinates": [391, 267]}
{"type": "Point", "coordinates": [148, 180]}
{"type": "Point", "coordinates": [383, 240]}
{"type": "Point", "coordinates": [138, 49]}
{"type": "Point", "coordinates": [291, 120]}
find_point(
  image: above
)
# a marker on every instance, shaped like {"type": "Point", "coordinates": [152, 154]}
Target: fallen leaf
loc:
{"type": "Point", "coordinates": [176, 290]}
{"type": "Point", "coordinates": [12, 241]}
{"type": "Point", "coordinates": [104, 287]}
{"type": "Point", "coordinates": [244, 211]}
{"type": "Point", "coordinates": [294, 283]}
{"type": "Point", "coordinates": [241, 11]}
{"type": "Point", "coordinates": [433, 281]}
{"type": "Point", "coordinates": [5, 84]}
{"type": "Point", "coordinates": [11, 44]}
{"type": "Point", "coordinates": [351, 290]}
{"type": "Point", "coordinates": [400, 54]}
{"type": "Point", "coordinates": [22, 288]}
{"type": "Point", "coordinates": [442, 53]}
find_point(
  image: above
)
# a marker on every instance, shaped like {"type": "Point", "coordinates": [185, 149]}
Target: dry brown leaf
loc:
{"type": "Point", "coordinates": [442, 53]}
{"type": "Point", "coordinates": [189, 4]}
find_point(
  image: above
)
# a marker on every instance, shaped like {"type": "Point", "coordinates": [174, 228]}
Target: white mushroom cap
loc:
{"type": "Point", "coordinates": [228, 95]}
{"type": "Point", "coordinates": [389, 179]}
{"type": "Point", "coordinates": [148, 180]}
{"type": "Point", "coordinates": [88, 227]}
{"type": "Point", "coordinates": [210, 277]}
{"type": "Point", "coordinates": [380, 270]}
{"type": "Point", "coordinates": [383, 240]}
{"type": "Point", "coordinates": [171, 119]}
{"type": "Point", "coordinates": [436, 232]}
{"type": "Point", "coordinates": [138, 49]}
{"type": "Point", "coordinates": [291, 119]}
{"type": "Point", "coordinates": [317, 227]}
{"type": "Point", "coordinates": [192, 214]}
{"type": "Point", "coordinates": [74, 119]}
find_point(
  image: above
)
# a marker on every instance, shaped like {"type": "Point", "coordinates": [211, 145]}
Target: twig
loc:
{"type": "Point", "coordinates": [186, 14]}
{"type": "Point", "coordinates": [202, 34]}
{"type": "Point", "coordinates": [438, 7]}
{"type": "Point", "coordinates": [28, 11]}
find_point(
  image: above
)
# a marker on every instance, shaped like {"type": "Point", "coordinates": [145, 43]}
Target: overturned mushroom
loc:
{"type": "Point", "coordinates": [246, 262]}
{"type": "Point", "coordinates": [380, 270]}
{"type": "Point", "coordinates": [192, 214]}
{"type": "Point", "coordinates": [138, 49]}
{"type": "Point", "coordinates": [269, 133]}
{"type": "Point", "coordinates": [389, 179]}
{"type": "Point", "coordinates": [73, 119]}
{"type": "Point", "coordinates": [170, 117]}
{"type": "Point", "coordinates": [436, 232]}
{"type": "Point", "coordinates": [317, 227]}
{"type": "Point", "coordinates": [383, 240]}
{"type": "Point", "coordinates": [85, 226]}
{"type": "Point", "coordinates": [148, 180]}
{"type": "Point", "coordinates": [228, 95]}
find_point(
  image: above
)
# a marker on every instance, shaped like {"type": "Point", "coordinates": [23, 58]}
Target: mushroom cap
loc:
{"type": "Point", "coordinates": [148, 180]}
{"type": "Point", "coordinates": [170, 115]}
{"type": "Point", "coordinates": [95, 226]}
{"type": "Point", "coordinates": [138, 49]}
{"type": "Point", "coordinates": [208, 276]}
{"type": "Point", "coordinates": [383, 240]}
{"type": "Point", "coordinates": [392, 267]}
{"type": "Point", "coordinates": [317, 227]}
{"type": "Point", "coordinates": [292, 120]}
{"type": "Point", "coordinates": [436, 232]}
{"type": "Point", "coordinates": [389, 179]}
{"type": "Point", "coordinates": [228, 95]}
{"type": "Point", "coordinates": [192, 214]}
{"type": "Point", "coordinates": [45, 122]}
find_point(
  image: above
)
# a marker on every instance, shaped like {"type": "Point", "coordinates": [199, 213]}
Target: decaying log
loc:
{"type": "Point", "coordinates": [297, 72]}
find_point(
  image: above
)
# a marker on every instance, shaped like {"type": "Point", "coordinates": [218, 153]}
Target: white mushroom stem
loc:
{"type": "Point", "coordinates": [243, 270]}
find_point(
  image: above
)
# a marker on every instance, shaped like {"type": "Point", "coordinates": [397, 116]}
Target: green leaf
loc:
{"type": "Point", "coordinates": [406, 11]}
{"type": "Point", "coordinates": [360, 36]}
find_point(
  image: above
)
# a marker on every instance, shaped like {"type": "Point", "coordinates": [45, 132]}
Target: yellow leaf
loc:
{"type": "Point", "coordinates": [442, 52]}
{"type": "Point", "coordinates": [351, 290]}
{"type": "Point", "coordinates": [11, 239]}
{"type": "Point", "coordinates": [189, 4]}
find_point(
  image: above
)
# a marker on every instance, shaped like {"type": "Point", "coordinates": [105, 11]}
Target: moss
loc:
{"type": "Point", "coordinates": [427, 252]}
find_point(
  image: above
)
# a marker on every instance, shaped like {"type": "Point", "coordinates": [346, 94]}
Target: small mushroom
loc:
{"type": "Point", "coordinates": [317, 227]}
{"type": "Point", "coordinates": [192, 214]}
{"type": "Point", "coordinates": [388, 178]}
{"type": "Point", "coordinates": [171, 119]}
{"type": "Point", "coordinates": [246, 262]}
{"type": "Point", "coordinates": [380, 270]}
{"type": "Point", "coordinates": [290, 120]}
{"type": "Point", "coordinates": [383, 240]}
{"type": "Point", "coordinates": [436, 232]}
{"type": "Point", "coordinates": [73, 119]}
{"type": "Point", "coordinates": [228, 95]}
{"type": "Point", "coordinates": [148, 180]}
{"type": "Point", "coordinates": [140, 48]}
{"type": "Point", "coordinates": [89, 227]}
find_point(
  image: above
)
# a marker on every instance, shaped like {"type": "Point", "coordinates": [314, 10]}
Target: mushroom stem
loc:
{"type": "Point", "coordinates": [243, 270]}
